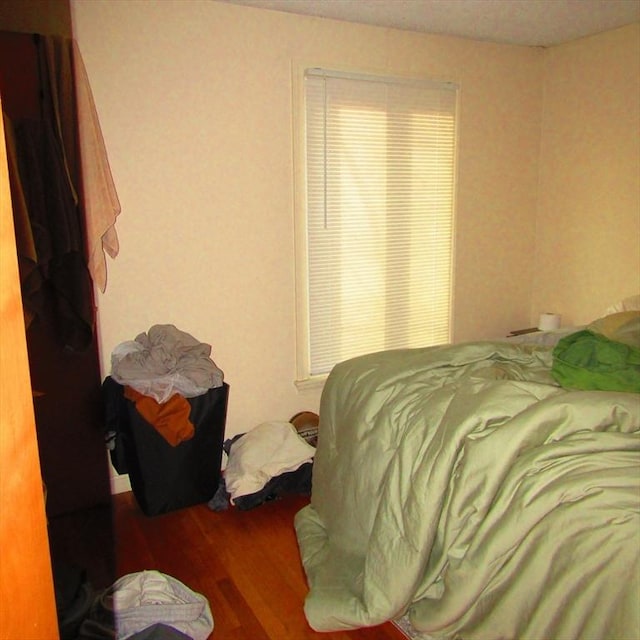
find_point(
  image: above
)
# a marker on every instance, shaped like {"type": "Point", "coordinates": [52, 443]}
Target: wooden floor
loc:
{"type": "Point", "coordinates": [245, 562]}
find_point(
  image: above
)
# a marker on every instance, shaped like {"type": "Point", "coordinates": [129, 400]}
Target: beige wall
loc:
{"type": "Point", "coordinates": [196, 108]}
{"type": "Point", "coordinates": [588, 234]}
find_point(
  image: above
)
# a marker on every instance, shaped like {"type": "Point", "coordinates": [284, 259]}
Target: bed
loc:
{"type": "Point", "coordinates": [482, 490]}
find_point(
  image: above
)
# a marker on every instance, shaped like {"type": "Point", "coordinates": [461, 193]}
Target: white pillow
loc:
{"type": "Point", "coordinates": [632, 303]}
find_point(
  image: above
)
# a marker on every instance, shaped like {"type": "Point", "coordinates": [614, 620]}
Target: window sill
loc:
{"type": "Point", "coordinates": [310, 384]}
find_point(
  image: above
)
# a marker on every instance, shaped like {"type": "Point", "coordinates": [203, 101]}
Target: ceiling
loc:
{"type": "Point", "coordinates": [523, 22]}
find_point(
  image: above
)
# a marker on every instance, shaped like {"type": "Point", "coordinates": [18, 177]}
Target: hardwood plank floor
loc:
{"type": "Point", "coordinates": [245, 562]}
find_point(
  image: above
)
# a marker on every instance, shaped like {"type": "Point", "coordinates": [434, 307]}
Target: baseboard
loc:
{"type": "Point", "coordinates": [119, 484]}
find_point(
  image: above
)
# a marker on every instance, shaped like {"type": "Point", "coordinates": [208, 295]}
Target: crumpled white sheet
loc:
{"type": "Point", "coordinates": [165, 361]}
{"type": "Point", "coordinates": [145, 598]}
{"type": "Point", "coordinates": [268, 450]}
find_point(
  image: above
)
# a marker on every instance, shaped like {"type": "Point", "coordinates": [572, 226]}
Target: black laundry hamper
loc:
{"type": "Point", "coordinates": [163, 477]}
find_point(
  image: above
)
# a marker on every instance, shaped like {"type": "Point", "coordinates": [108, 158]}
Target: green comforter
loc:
{"type": "Point", "coordinates": [462, 485]}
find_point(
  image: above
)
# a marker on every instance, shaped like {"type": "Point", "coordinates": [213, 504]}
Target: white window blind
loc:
{"type": "Point", "coordinates": [380, 204]}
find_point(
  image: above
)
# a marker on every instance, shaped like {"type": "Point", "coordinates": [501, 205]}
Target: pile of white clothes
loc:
{"type": "Point", "coordinates": [266, 452]}
{"type": "Point", "coordinates": [144, 601]}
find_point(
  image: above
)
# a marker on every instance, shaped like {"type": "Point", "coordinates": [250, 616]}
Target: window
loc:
{"type": "Point", "coordinates": [376, 232]}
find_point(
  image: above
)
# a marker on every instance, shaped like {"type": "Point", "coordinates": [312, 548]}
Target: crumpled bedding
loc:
{"type": "Point", "coordinates": [463, 485]}
{"type": "Point", "coordinates": [165, 361]}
